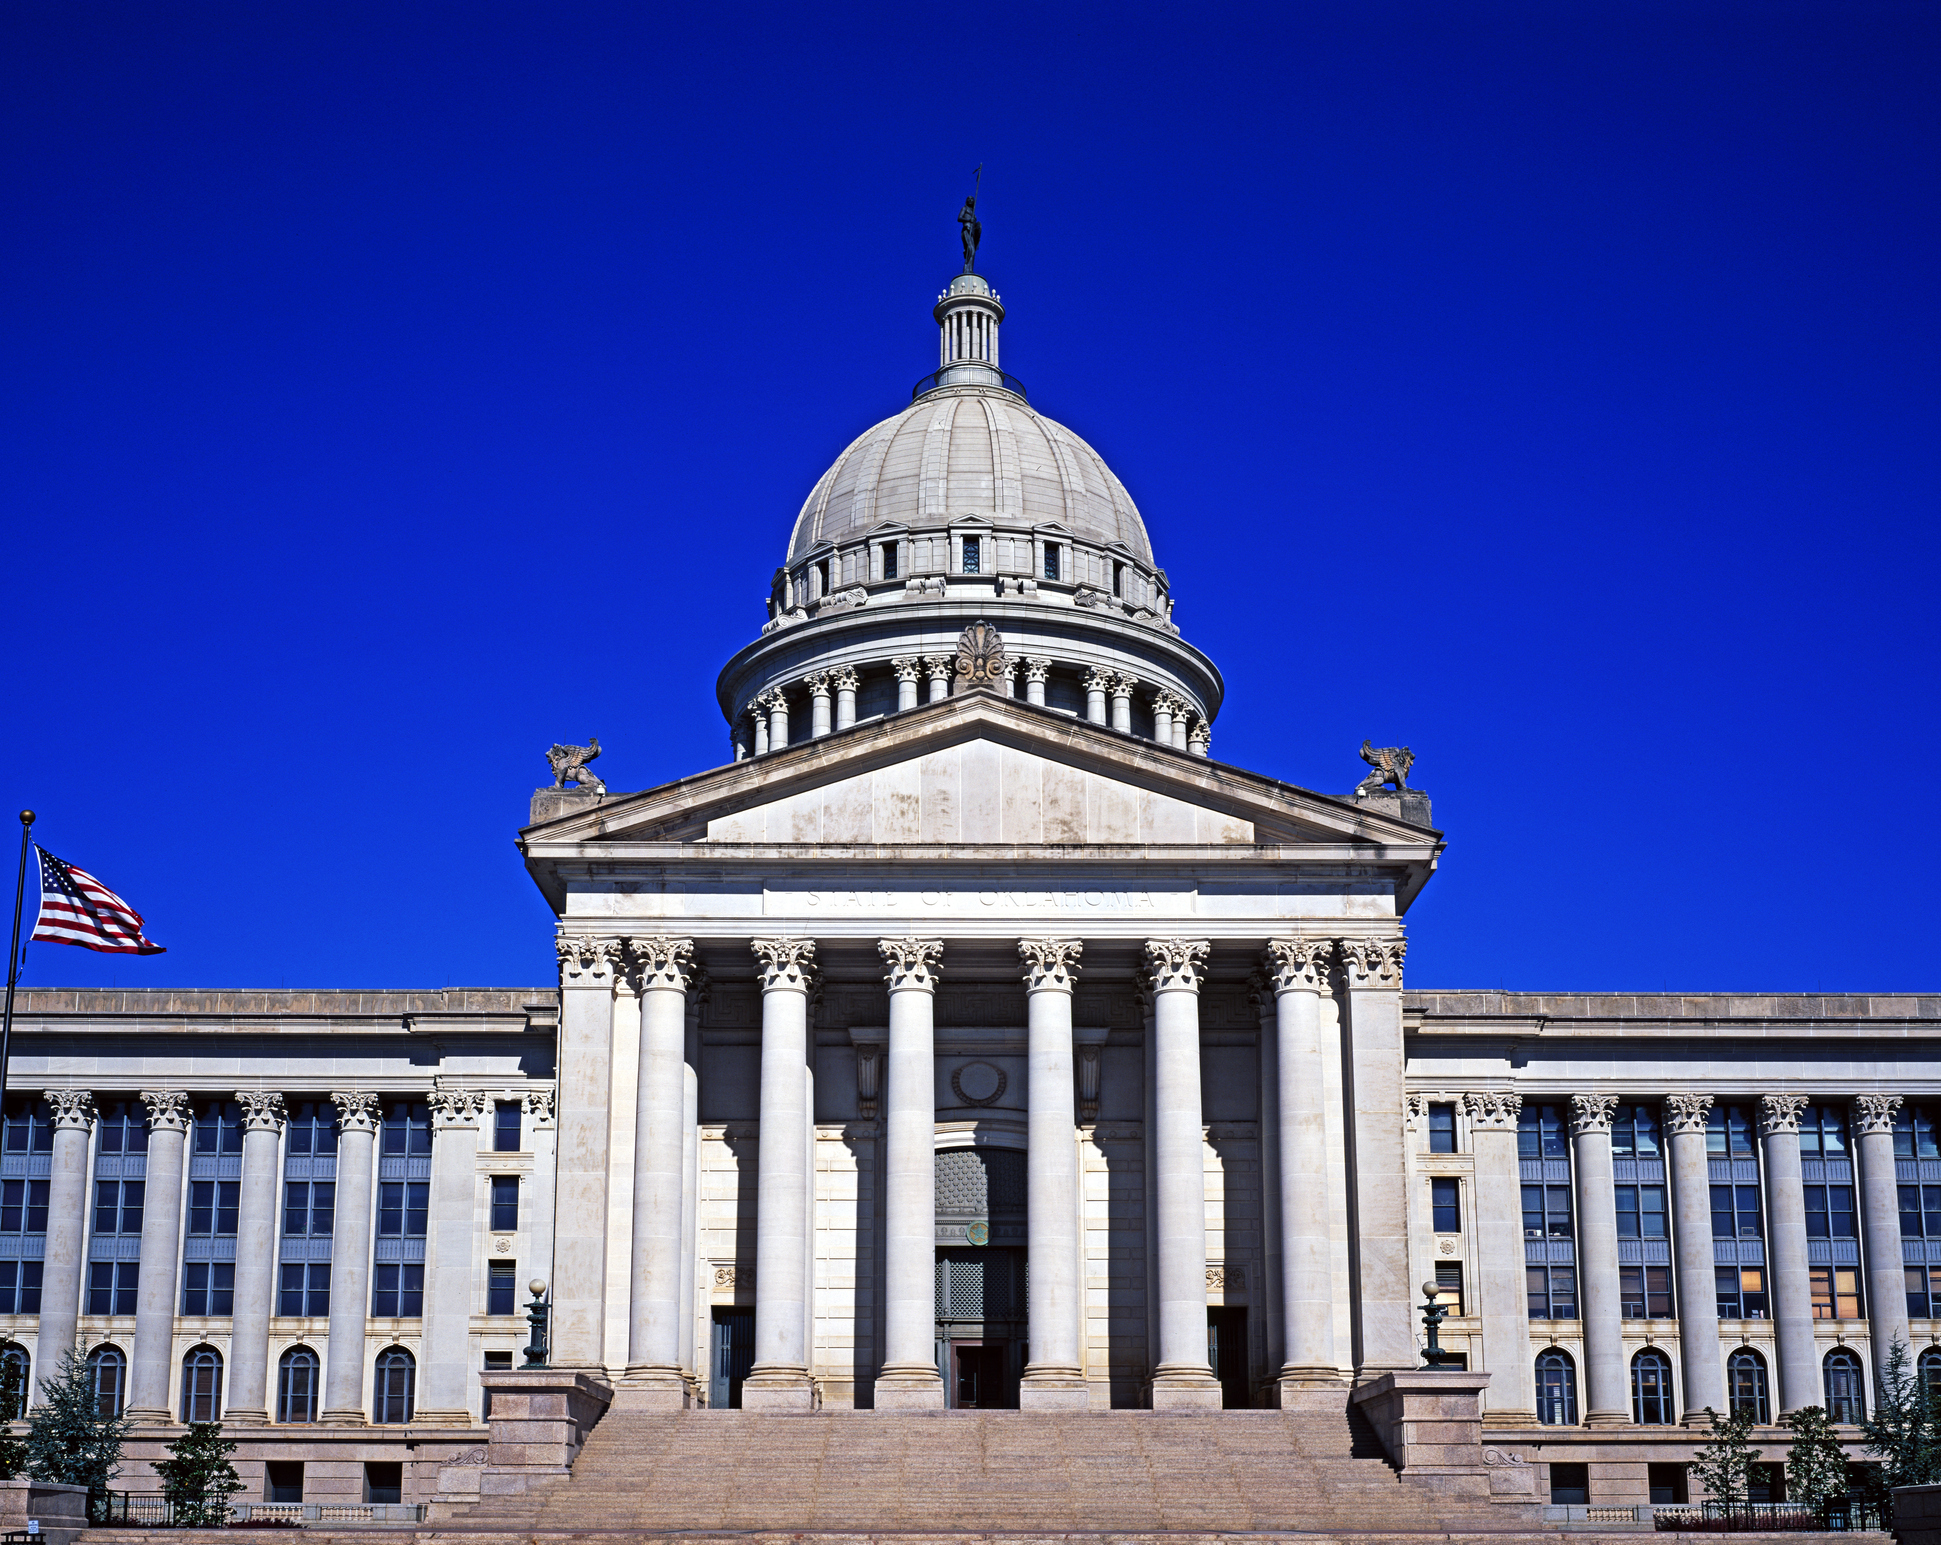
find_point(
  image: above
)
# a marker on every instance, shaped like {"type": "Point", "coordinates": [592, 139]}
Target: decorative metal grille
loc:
{"type": "Point", "coordinates": [977, 1182]}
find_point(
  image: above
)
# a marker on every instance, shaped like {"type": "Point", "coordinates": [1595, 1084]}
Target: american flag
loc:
{"type": "Point", "coordinates": [76, 908]}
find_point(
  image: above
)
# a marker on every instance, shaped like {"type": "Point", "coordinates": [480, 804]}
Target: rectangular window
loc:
{"type": "Point", "coordinates": [304, 1289]}
{"type": "Point", "coordinates": [402, 1206]}
{"type": "Point", "coordinates": [1914, 1134]}
{"type": "Point", "coordinates": [1449, 1286]}
{"type": "Point", "coordinates": [309, 1208]}
{"type": "Point", "coordinates": [20, 1287]}
{"type": "Point", "coordinates": [1553, 1292]}
{"type": "Point", "coordinates": [1729, 1132]}
{"type": "Point", "coordinates": [1742, 1292]}
{"type": "Point", "coordinates": [505, 1127]}
{"type": "Point", "coordinates": [1051, 560]}
{"type": "Point", "coordinates": [822, 575]}
{"type": "Point", "coordinates": [112, 1286]}
{"type": "Point", "coordinates": [407, 1129]}
{"type": "Point", "coordinates": [889, 560]}
{"type": "Point", "coordinates": [1635, 1134]}
{"type": "Point", "coordinates": [384, 1481]}
{"type": "Point", "coordinates": [398, 1292]}
{"type": "Point", "coordinates": [1920, 1212]}
{"type": "Point", "coordinates": [212, 1208]}
{"type": "Point", "coordinates": [118, 1206]}
{"type": "Point", "coordinates": [123, 1127]}
{"type": "Point", "coordinates": [1823, 1132]}
{"type": "Point", "coordinates": [284, 1480]}
{"type": "Point", "coordinates": [1542, 1133]}
{"type": "Point", "coordinates": [23, 1207]}
{"type": "Point", "coordinates": [1641, 1212]}
{"type": "Point", "coordinates": [505, 1203]}
{"type": "Point", "coordinates": [1667, 1483]}
{"type": "Point", "coordinates": [1829, 1212]}
{"type": "Point", "coordinates": [502, 1288]}
{"type": "Point", "coordinates": [208, 1288]}
{"type": "Point", "coordinates": [1119, 580]}
{"type": "Point", "coordinates": [1546, 1212]}
{"type": "Point", "coordinates": [29, 1126]}
{"type": "Point", "coordinates": [1645, 1292]}
{"type": "Point", "coordinates": [1924, 1292]}
{"type": "Point", "coordinates": [1442, 1129]}
{"type": "Point", "coordinates": [1836, 1292]}
{"type": "Point", "coordinates": [495, 1362]}
{"type": "Point", "coordinates": [313, 1127]}
{"type": "Point", "coordinates": [973, 555]}
{"type": "Point", "coordinates": [1570, 1484]}
{"type": "Point", "coordinates": [1443, 1204]}
{"type": "Point", "coordinates": [1735, 1212]}
{"type": "Point", "coordinates": [218, 1128]}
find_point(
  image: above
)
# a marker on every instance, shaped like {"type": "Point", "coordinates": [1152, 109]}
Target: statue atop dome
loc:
{"type": "Point", "coordinates": [969, 227]}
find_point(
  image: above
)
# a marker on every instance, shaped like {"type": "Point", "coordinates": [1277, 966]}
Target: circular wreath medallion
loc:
{"type": "Point", "coordinates": [979, 1083]}
{"type": "Point", "coordinates": [978, 1233]}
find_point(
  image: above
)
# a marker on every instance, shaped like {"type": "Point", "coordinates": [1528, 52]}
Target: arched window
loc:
{"type": "Point", "coordinates": [1928, 1370]}
{"type": "Point", "coordinates": [20, 1370]}
{"type": "Point", "coordinates": [202, 1385]}
{"type": "Point", "coordinates": [108, 1379]}
{"type": "Point", "coordinates": [296, 1386]}
{"type": "Point", "coordinates": [1556, 1389]}
{"type": "Point", "coordinates": [397, 1377]}
{"type": "Point", "coordinates": [1745, 1385]}
{"type": "Point", "coordinates": [1846, 1387]}
{"type": "Point", "coordinates": [1651, 1389]}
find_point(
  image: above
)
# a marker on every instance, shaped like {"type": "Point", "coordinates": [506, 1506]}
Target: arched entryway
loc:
{"type": "Point", "coordinates": [981, 1267]}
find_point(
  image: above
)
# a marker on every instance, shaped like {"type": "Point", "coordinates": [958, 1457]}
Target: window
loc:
{"type": "Point", "coordinates": [29, 1126]}
{"type": "Point", "coordinates": [401, 1208]}
{"type": "Point", "coordinates": [1443, 1204]}
{"type": "Point", "coordinates": [1836, 1292]}
{"type": "Point", "coordinates": [1914, 1134]}
{"type": "Point", "coordinates": [212, 1208]}
{"type": "Point", "coordinates": [1920, 1212]}
{"type": "Point", "coordinates": [296, 1387]}
{"type": "Point", "coordinates": [1641, 1212]}
{"type": "Point", "coordinates": [973, 555]}
{"type": "Point", "coordinates": [1556, 1389]}
{"type": "Point", "coordinates": [1741, 1292]}
{"type": "Point", "coordinates": [505, 1127]}
{"type": "Point", "coordinates": [1728, 1131]}
{"type": "Point", "coordinates": [1119, 580]}
{"type": "Point", "coordinates": [1051, 560]}
{"type": "Point", "coordinates": [505, 1203]}
{"type": "Point", "coordinates": [822, 575]}
{"type": "Point", "coordinates": [397, 1377]}
{"type": "Point", "coordinates": [313, 1127]}
{"type": "Point", "coordinates": [398, 1292]}
{"type": "Point", "coordinates": [1745, 1385]}
{"type": "Point", "coordinates": [502, 1288]}
{"type": "Point", "coordinates": [889, 560]}
{"type": "Point", "coordinates": [1546, 1212]}
{"type": "Point", "coordinates": [1570, 1485]}
{"type": "Point", "coordinates": [384, 1480]}
{"type": "Point", "coordinates": [1927, 1368]}
{"type": "Point", "coordinates": [108, 1380]}
{"type": "Point", "coordinates": [118, 1206]}
{"type": "Point", "coordinates": [1635, 1133]}
{"type": "Point", "coordinates": [218, 1129]}
{"type": "Point", "coordinates": [1735, 1212]}
{"type": "Point", "coordinates": [1829, 1212]}
{"type": "Point", "coordinates": [1553, 1292]}
{"type": "Point", "coordinates": [495, 1362]}
{"type": "Point", "coordinates": [1442, 1128]}
{"type": "Point", "coordinates": [112, 1286]}
{"type": "Point", "coordinates": [1449, 1285]}
{"type": "Point", "coordinates": [283, 1480]}
{"type": "Point", "coordinates": [202, 1385]}
{"type": "Point", "coordinates": [208, 1288]}
{"type": "Point", "coordinates": [1651, 1389]}
{"type": "Point", "coordinates": [309, 1208]}
{"type": "Point", "coordinates": [20, 1287]}
{"type": "Point", "coordinates": [1540, 1133]}
{"type": "Point", "coordinates": [1766, 1483]}
{"type": "Point", "coordinates": [1823, 1131]}
{"type": "Point", "coordinates": [19, 1371]}
{"type": "Point", "coordinates": [1667, 1483]}
{"type": "Point", "coordinates": [1846, 1387]}
{"type": "Point", "coordinates": [1645, 1292]}
{"type": "Point", "coordinates": [407, 1129]}
{"type": "Point", "coordinates": [23, 1207]}
{"type": "Point", "coordinates": [123, 1125]}
{"type": "Point", "coordinates": [303, 1289]}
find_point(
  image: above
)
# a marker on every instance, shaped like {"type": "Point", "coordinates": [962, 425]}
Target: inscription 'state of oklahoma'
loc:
{"type": "Point", "coordinates": [916, 903]}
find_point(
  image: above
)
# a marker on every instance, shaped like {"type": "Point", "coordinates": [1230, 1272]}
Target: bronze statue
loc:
{"type": "Point", "coordinates": [570, 762]}
{"type": "Point", "coordinates": [1391, 764]}
{"type": "Point", "coordinates": [972, 231]}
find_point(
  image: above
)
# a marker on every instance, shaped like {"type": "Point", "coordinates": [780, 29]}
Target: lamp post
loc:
{"type": "Point", "coordinates": [536, 1313]}
{"type": "Point", "coordinates": [1433, 1314]}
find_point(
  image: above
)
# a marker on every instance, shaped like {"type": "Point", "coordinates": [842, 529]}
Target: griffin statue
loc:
{"type": "Point", "coordinates": [569, 762]}
{"type": "Point", "coordinates": [1391, 764]}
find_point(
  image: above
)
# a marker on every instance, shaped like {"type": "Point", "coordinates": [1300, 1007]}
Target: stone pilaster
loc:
{"type": "Point", "coordinates": [909, 1379]}
{"type": "Point", "coordinates": [67, 1214]}
{"type": "Point", "coordinates": [1873, 1123]}
{"type": "Point", "coordinates": [1054, 1376]}
{"type": "Point", "coordinates": [161, 1258]}
{"type": "Point", "coordinates": [1698, 1305]}
{"type": "Point", "coordinates": [249, 1345]}
{"type": "Point", "coordinates": [579, 1285]}
{"type": "Point", "coordinates": [1385, 1302]}
{"type": "Point", "coordinates": [445, 1379]}
{"type": "Point", "coordinates": [1606, 1386]}
{"type": "Point", "coordinates": [779, 1380]}
{"type": "Point", "coordinates": [350, 1257]}
{"type": "Point", "coordinates": [1502, 1300]}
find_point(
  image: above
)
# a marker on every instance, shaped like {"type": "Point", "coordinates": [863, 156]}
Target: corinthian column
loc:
{"type": "Point", "coordinates": [1054, 1377]}
{"type": "Point", "coordinates": [1297, 971]}
{"type": "Point", "coordinates": [776, 701]}
{"type": "Point", "coordinates": [654, 1323]}
{"type": "Point", "coordinates": [148, 1378]}
{"type": "Point", "coordinates": [1385, 1310]}
{"type": "Point", "coordinates": [906, 669]}
{"type": "Point", "coordinates": [585, 1093]}
{"type": "Point", "coordinates": [1606, 1387]}
{"type": "Point", "coordinates": [1510, 1400]}
{"type": "Point", "coordinates": [779, 1380]}
{"type": "Point", "coordinates": [1035, 672]}
{"type": "Point", "coordinates": [818, 685]}
{"type": "Point", "coordinates": [1097, 683]}
{"type": "Point", "coordinates": [444, 1390]}
{"type": "Point", "coordinates": [1873, 1120]}
{"type": "Point", "coordinates": [1123, 686]}
{"type": "Point", "coordinates": [350, 1258]}
{"type": "Point", "coordinates": [1184, 1380]}
{"type": "Point", "coordinates": [1792, 1284]}
{"type": "Point", "coordinates": [67, 1213]}
{"type": "Point", "coordinates": [1698, 1304]}
{"type": "Point", "coordinates": [249, 1343]}
{"type": "Point", "coordinates": [909, 1379]}
{"type": "Point", "coordinates": [845, 680]}
{"type": "Point", "coordinates": [939, 668]}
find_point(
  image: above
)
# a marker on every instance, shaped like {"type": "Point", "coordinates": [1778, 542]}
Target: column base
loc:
{"type": "Point", "coordinates": [1186, 1389]}
{"type": "Point", "coordinates": [343, 1419]}
{"type": "Point", "coordinates": [1307, 1391]}
{"type": "Point", "coordinates": [1607, 1418]}
{"type": "Point", "coordinates": [1054, 1389]}
{"type": "Point", "coordinates": [655, 1388]}
{"type": "Point", "coordinates": [903, 1390]}
{"type": "Point", "coordinates": [149, 1416]}
{"type": "Point", "coordinates": [1504, 1419]}
{"type": "Point", "coordinates": [245, 1418]}
{"type": "Point", "coordinates": [778, 1389]}
{"type": "Point", "coordinates": [1700, 1418]}
{"type": "Point", "coordinates": [424, 1418]}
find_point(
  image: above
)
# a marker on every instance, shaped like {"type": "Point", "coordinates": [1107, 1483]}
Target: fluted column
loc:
{"type": "Point", "coordinates": [247, 1384]}
{"type": "Point", "coordinates": [818, 684]}
{"type": "Point", "coordinates": [909, 1379]}
{"type": "Point", "coordinates": [1097, 683]}
{"type": "Point", "coordinates": [1606, 1387]}
{"type": "Point", "coordinates": [1297, 972]}
{"type": "Point", "coordinates": [779, 1380]}
{"type": "Point", "coordinates": [654, 1376]}
{"type": "Point", "coordinates": [1385, 1311]}
{"type": "Point", "coordinates": [939, 668]}
{"type": "Point", "coordinates": [350, 1257]}
{"type": "Point", "coordinates": [161, 1258]}
{"type": "Point", "coordinates": [906, 682]}
{"type": "Point", "coordinates": [1873, 1121]}
{"type": "Point", "coordinates": [67, 1213]}
{"type": "Point", "coordinates": [1035, 672]}
{"type": "Point", "coordinates": [1791, 1282]}
{"type": "Point", "coordinates": [445, 1380]}
{"type": "Point", "coordinates": [1183, 1379]}
{"type": "Point", "coordinates": [579, 1285]}
{"type": "Point", "coordinates": [845, 680]}
{"type": "Point", "coordinates": [1698, 1304]}
{"type": "Point", "coordinates": [1054, 1375]}
{"type": "Point", "coordinates": [1502, 1302]}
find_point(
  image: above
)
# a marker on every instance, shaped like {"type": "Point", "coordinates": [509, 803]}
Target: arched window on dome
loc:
{"type": "Point", "coordinates": [396, 1387]}
{"type": "Point", "coordinates": [296, 1386]}
{"type": "Point", "coordinates": [202, 1385]}
{"type": "Point", "coordinates": [1846, 1386]}
{"type": "Point", "coordinates": [108, 1379]}
{"type": "Point", "coordinates": [1745, 1385]}
{"type": "Point", "coordinates": [1556, 1389]}
{"type": "Point", "coordinates": [1651, 1402]}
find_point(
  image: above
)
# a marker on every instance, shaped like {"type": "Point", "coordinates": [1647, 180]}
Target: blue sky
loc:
{"type": "Point", "coordinates": [391, 390]}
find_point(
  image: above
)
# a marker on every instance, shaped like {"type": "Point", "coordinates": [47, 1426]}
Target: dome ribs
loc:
{"type": "Point", "coordinates": [933, 487]}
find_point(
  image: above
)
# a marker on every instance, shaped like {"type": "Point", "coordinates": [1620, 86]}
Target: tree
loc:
{"type": "Point", "coordinates": [1724, 1466]}
{"type": "Point", "coordinates": [1904, 1431]}
{"type": "Point", "coordinates": [68, 1438]}
{"type": "Point", "coordinates": [198, 1478]}
{"type": "Point", "coordinates": [1816, 1469]}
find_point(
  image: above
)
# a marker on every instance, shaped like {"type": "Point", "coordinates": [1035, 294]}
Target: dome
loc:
{"type": "Point", "coordinates": [970, 450]}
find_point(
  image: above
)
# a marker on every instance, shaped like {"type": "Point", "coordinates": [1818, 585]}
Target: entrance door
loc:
{"type": "Point", "coordinates": [1226, 1350]}
{"type": "Point", "coordinates": [734, 1355]}
{"type": "Point", "coordinates": [977, 1371]}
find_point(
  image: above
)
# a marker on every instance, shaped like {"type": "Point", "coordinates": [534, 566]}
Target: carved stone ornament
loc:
{"type": "Point", "coordinates": [869, 1075]}
{"type": "Point", "coordinates": [1591, 1113]}
{"type": "Point", "coordinates": [356, 1111]}
{"type": "Point", "coordinates": [732, 1277]}
{"type": "Point", "coordinates": [786, 964]}
{"type": "Point", "coordinates": [1875, 1112]}
{"type": "Point", "coordinates": [1175, 965]}
{"type": "Point", "coordinates": [1297, 965]}
{"type": "Point", "coordinates": [980, 657]}
{"type": "Point", "coordinates": [1088, 1083]}
{"type": "Point", "coordinates": [1050, 964]}
{"type": "Point", "coordinates": [1372, 962]}
{"type": "Point", "coordinates": [1036, 668]}
{"type": "Point", "coordinates": [914, 964]}
{"type": "Point", "coordinates": [538, 1104]}
{"type": "Point", "coordinates": [471, 1456]}
{"type": "Point", "coordinates": [1200, 737]}
{"type": "Point", "coordinates": [1416, 1106]}
{"type": "Point", "coordinates": [456, 1107]}
{"type": "Point", "coordinates": [1687, 1112]}
{"type": "Point", "coordinates": [1220, 1278]}
{"type": "Point", "coordinates": [569, 764]}
{"type": "Point", "coordinates": [817, 682]}
{"type": "Point", "coordinates": [1492, 1110]}
{"type": "Point", "coordinates": [1391, 764]}
{"type": "Point", "coordinates": [979, 1083]}
{"type": "Point", "coordinates": [847, 599]}
{"type": "Point", "coordinates": [73, 1109]}
{"type": "Point", "coordinates": [1099, 679]}
{"type": "Point", "coordinates": [262, 1112]}
{"type": "Point", "coordinates": [1780, 1113]}
{"type": "Point", "coordinates": [585, 962]}
{"type": "Point", "coordinates": [1494, 1457]}
{"type": "Point", "coordinates": [844, 678]}
{"type": "Point", "coordinates": [938, 667]}
{"type": "Point", "coordinates": [168, 1110]}
{"type": "Point", "coordinates": [661, 964]}
{"type": "Point", "coordinates": [906, 669]}
{"type": "Point", "coordinates": [1123, 685]}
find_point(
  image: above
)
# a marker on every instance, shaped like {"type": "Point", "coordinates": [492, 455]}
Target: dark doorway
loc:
{"type": "Point", "coordinates": [1226, 1350]}
{"type": "Point", "coordinates": [734, 1355]}
{"type": "Point", "coordinates": [1667, 1482]}
{"type": "Point", "coordinates": [980, 1376]}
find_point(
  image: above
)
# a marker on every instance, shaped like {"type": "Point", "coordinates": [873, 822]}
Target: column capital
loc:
{"type": "Point", "coordinates": [1123, 685]}
{"type": "Point", "coordinates": [1687, 1112]}
{"type": "Point", "coordinates": [1297, 965]}
{"type": "Point", "coordinates": [1099, 679]}
{"type": "Point", "coordinates": [1493, 1110]}
{"type": "Point", "coordinates": [456, 1108]}
{"type": "Point", "coordinates": [168, 1109]}
{"type": "Point", "coordinates": [357, 1111]}
{"type": "Point", "coordinates": [907, 668]}
{"type": "Point", "coordinates": [1165, 700]}
{"type": "Point", "coordinates": [661, 964]}
{"type": "Point", "coordinates": [771, 700]}
{"type": "Point", "coordinates": [73, 1109]}
{"type": "Point", "coordinates": [538, 1104]}
{"type": "Point", "coordinates": [1050, 965]}
{"type": "Point", "coordinates": [1371, 962]}
{"type": "Point", "coordinates": [1199, 739]}
{"type": "Point", "coordinates": [940, 667]}
{"type": "Point", "coordinates": [1780, 1113]}
{"type": "Point", "coordinates": [261, 1112]}
{"type": "Point", "coordinates": [1591, 1113]}
{"type": "Point", "coordinates": [817, 682]}
{"type": "Point", "coordinates": [1875, 1112]}
{"type": "Point", "coordinates": [787, 965]}
{"type": "Point", "coordinates": [1036, 667]}
{"type": "Point", "coordinates": [586, 962]}
{"type": "Point", "coordinates": [914, 964]}
{"type": "Point", "coordinates": [844, 678]}
{"type": "Point", "coordinates": [1175, 965]}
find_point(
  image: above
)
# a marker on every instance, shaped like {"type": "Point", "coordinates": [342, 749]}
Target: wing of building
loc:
{"type": "Point", "coordinates": [972, 1039]}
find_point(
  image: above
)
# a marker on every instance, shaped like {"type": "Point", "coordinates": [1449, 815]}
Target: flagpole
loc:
{"type": "Point", "coordinates": [13, 953]}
